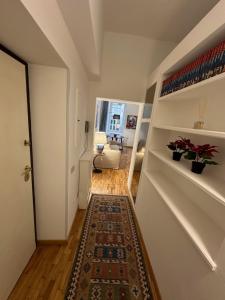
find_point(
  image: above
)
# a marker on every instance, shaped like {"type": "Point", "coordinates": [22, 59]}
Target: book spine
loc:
{"type": "Point", "coordinates": [189, 77]}
{"type": "Point", "coordinates": [216, 59]}
{"type": "Point", "coordinates": [166, 87]}
{"type": "Point", "coordinates": [214, 54]}
{"type": "Point", "coordinates": [223, 59]}
{"type": "Point", "coordinates": [182, 84]}
{"type": "Point", "coordinates": [219, 61]}
{"type": "Point", "coordinates": [162, 88]}
{"type": "Point", "coordinates": [205, 66]}
{"type": "Point", "coordinates": [179, 83]}
{"type": "Point", "coordinates": [197, 73]}
{"type": "Point", "coordinates": [175, 81]}
{"type": "Point", "coordinates": [186, 76]}
{"type": "Point", "coordinates": [193, 72]}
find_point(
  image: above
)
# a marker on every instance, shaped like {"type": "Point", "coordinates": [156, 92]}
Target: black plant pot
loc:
{"type": "Point", "coordinates": [197, 167]}
{"type": "Point", "coordinates": [177, 155]}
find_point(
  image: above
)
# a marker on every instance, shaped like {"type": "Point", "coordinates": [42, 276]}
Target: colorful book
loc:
{"type": "Point", "coordinates": [203, 67]}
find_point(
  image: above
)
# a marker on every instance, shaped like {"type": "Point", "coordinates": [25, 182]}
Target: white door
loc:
{"type": "Point", "coordinates": [17, 234]}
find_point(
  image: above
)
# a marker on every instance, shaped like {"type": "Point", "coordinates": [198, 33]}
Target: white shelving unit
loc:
{"type": "Point", "coordinates": [199, 89]}
{"type": "Point", "coordinates": [212, 186]}
{"type": "Point", "coordinates": [166, 191]}
{"type": "Point", "coordinates": [203, 132]}
{"type": "Point", "coordinates": [197, 202]}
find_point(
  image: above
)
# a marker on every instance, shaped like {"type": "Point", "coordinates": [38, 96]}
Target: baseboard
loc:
{"type": "Point", "coordinates": [71, 228]}
{"type": "Point", "coordinates": [151, 275]}
{"type": "Point", "coordinates": [152, 279]}
{"type": "Point", "coordinates": [51, 242]}
{"type": "Point", "coordinates": [131, 198]}
{"type": "Point", "coordinates": [58, 242]}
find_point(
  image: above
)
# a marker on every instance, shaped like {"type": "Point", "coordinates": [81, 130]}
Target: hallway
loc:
{"type": "Point", "coordinates": [46, 275]}
{"type": "Point", "coordinates": [113, 182]}
{"type": "Point", "coordinates": [113, 147]}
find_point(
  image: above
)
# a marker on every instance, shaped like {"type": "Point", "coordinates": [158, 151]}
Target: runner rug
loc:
{"type": "Point", "coordinates": [109, 263]}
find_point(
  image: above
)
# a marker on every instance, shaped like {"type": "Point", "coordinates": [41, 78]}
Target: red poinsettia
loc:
{"type": "Point", "coordinates": [181, 145]}
{"type": "Point", "coordinates": [202, 153]}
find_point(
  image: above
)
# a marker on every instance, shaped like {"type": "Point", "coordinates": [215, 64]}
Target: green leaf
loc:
{"type": "Point", "coordinates": [190, 155]}
{"type": "Point", "coordinates": [210, 162]}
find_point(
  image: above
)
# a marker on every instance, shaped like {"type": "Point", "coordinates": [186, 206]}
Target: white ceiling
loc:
{"type": "Point", "coordinates": [167, 20]}
{"type": "Point", "coordinates": [20, 34]}
{"type": "Point", "coordinates": [77, 16]}
{"type": "Point", "coordinates": [81, 22]}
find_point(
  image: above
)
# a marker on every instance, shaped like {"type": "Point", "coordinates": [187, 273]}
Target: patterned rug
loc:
{"type": "Point", "coordinates": [109, 263]}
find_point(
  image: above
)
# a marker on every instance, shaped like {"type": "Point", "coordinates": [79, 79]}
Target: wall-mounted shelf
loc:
{"type": "Point", "coordinates": [213, 186]}
{"type": "Point", "coordinates": [197, 90]}
{"type": "Point", "coordinates": [203, 132]}
{"type": "Point", "coordinates": [168, 194]}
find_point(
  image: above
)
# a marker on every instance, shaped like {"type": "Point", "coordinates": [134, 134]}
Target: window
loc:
{"type": "Point", "coordinates": [115, 118]}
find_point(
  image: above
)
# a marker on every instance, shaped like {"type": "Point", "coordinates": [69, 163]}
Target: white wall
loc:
{"type": "Point", "coordinates": [48, 91]}
{"type": "Point", "coordinates": [130, 109]}
{"type": "Point", "coordinates": [126, 63]}
{"type": "Point", "coordinates": [135, 145]}
{"type": "Point", "coordinates": [143, 132]}
{"type": "Point", "coordinates": [50, 20]}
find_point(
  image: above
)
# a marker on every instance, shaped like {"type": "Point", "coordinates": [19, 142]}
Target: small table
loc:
{"type": "Point", "coordinates": [118, 139]}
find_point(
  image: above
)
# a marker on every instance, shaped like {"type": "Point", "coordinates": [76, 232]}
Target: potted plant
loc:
{"type": "Point", "coordinates": [179, 147]}
{"type": "Point", "coordinates": [201, 155]}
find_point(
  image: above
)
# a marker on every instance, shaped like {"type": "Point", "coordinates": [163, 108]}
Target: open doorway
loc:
{"type": "Point", "coordinates": [116, 122]}
{"type": "Point", "coordinates": [142, 136]}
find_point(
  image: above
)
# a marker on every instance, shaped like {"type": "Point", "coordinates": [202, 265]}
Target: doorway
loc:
{"type": "Point", "coordinates": [142, 139]}
{"type": "Point", "coordinates": [17, 215]}
{"type": "Point", "coordinates": [116, 122]}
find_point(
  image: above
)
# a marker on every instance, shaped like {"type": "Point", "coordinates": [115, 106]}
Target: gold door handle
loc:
{"type": "Point", "coordinates": [26, 173]}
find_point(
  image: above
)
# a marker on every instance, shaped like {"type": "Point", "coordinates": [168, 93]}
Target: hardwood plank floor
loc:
{"type": "Point", "coordinates": [135, 183]}
{"type": "Point", "coordinates": [125, 158]}
{"type": "Point", "coordinates": [110, 181]}
{"type": "Point", "coordinates": [48, 271]}
{"type": "Point", "coordinates": [46, 275]}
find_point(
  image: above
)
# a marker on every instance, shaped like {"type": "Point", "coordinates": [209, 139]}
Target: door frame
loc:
{"type": "Point", "coordinates": [16, 57]}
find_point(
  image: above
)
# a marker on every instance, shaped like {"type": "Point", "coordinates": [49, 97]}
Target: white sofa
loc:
{"type": "Point", "coordinates": [112, 154]}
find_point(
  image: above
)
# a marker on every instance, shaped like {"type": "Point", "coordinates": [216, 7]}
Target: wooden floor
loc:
{"type": "Point", "coordinates": [135, 183]}
{"type": "Point", "coordinates": [125, 158]}
{"type": "Point", "coordinates": [46, 275]}
{"type": "Point", "coordinates": [110, 181]}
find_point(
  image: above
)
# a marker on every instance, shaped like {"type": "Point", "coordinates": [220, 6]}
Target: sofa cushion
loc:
{"type": "Point", "coordinates": [109, 160]}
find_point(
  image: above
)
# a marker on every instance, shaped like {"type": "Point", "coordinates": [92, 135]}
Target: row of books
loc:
{"type": "Point", "coordinates": [206, 65]}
